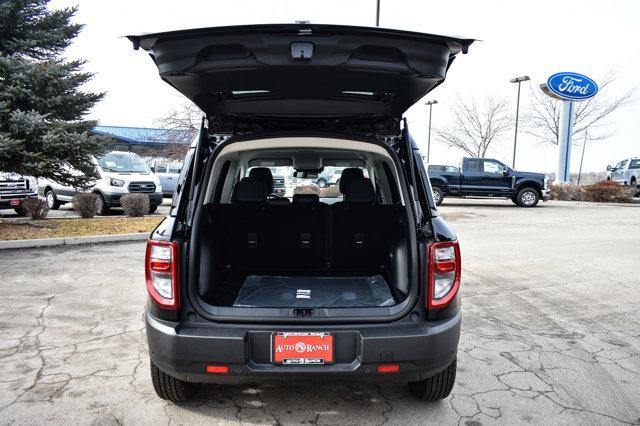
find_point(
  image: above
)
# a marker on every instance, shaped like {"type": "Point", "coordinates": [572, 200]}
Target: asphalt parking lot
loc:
{"type": "Point", "coordinates": [551, 333]}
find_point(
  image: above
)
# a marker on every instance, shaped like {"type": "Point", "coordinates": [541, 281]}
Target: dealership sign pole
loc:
{"type": "Point", "coordinates": [568, 87]}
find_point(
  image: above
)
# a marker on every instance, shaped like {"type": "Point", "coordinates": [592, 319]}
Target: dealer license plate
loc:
{"type": "Point", "coordinates": [302, 348]}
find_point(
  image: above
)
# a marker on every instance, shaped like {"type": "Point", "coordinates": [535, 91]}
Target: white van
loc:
{"type": "Point", "coordinates": [117, 173]}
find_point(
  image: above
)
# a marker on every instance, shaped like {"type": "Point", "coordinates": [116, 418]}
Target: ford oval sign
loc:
{"type": "Point", "coordinates": [571, 86]}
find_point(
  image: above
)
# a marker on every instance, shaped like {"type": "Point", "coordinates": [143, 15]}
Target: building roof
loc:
{"type": "Point", "coordinates": [145, 135]}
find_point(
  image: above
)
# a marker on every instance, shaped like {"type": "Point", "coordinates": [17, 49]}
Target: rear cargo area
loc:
{"type": "Point", "coordinates": [310, 254]}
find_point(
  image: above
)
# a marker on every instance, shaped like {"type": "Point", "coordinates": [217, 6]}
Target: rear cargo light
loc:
{"type": "Point", "coordinates": [388, 368]}
{"type": "Point", "coordinates": [444, 274]}
{"type": "Point", "coordinates": [161, 271]}
{"type": "Point", "coordinates": [217, 369]}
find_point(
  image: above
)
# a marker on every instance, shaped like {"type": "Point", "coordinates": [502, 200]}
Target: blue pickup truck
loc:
{"type": "Point", "coordinates": [486, 177]}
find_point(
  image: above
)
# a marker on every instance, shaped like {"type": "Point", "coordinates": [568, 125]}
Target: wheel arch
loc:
{"type": "Point", "coordinates": [441, 183]}
{"type": "Point", "coordinates": [528, 184]}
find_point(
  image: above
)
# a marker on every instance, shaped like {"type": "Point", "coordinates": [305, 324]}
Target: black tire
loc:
{"type": "Point", "coordinates": [169, 388]}
{"type": "Point", "coordinates": [436, 387]}
{"type": "Point", "coordinates": [514, 200]}
{"type": "Point", "coordinates": [438, 195]}
{"type": "Point", "coordinates": [52, 201]}
{"type": "Point", "coordinates": [634, 184]}
{"type": "Point", "coordinates": [153, 208]}
{"type": "Point", "coordinates": [322, 183]}
{"type": "Point", "coordinates": [528, 197]}
{"type": "Point", "coordinates": [20, 211]}
{"type": "Point", "coordinates": [101, 206]}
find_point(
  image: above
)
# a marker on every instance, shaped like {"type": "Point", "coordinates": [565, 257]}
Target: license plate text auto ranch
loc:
{"type": "Point", "coordinates": [302, 348]}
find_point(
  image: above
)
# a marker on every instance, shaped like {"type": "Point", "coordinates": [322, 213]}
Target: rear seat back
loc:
{"type": "Point", "coordinates": [303, 236]}
{"type": "Point", "coordinates": [362, 234]}
{"type": "Point", "coordinates": [361, 228]}
{"type": "Point", "coordinates": [263, 236]}
{"type": "Point", "coordinates": [297, 236]}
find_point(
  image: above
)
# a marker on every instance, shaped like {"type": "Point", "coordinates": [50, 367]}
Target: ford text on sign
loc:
{"type": "Point", "coordinates": [572, 86]}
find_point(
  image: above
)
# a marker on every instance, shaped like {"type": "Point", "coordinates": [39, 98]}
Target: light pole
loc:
{"type": "Point", "coordinates": [584, 145]}
{"type": "Point", "coordinates": [431, 104]}
{"type": "Point", "coordinates": [515, 136]}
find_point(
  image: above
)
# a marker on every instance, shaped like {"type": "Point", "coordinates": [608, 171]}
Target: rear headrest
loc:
{"type": "Point", "coordinates": [306, 199]}
{"type": "Point", "coordinates": [264, 175]}
{"type": "Point", "coordinates": [249, 190]}
{"type": "Point", "coordinates": [279, 201]}
{"type": "Point", "coordinates": [347, 175]}
{"type": "Point", "coordinates": [359, 191]}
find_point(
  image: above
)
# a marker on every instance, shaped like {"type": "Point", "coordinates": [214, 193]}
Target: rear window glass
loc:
{"type": "Point", "coordinates": [635, 164]}
{"type": "Point", "coordinates": [325, 184]}
{"type": "Point", "coordinates": [474, 166]}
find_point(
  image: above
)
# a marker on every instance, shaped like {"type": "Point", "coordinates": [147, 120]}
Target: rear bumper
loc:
{"type": "Point", "coordinates": [183, 351]}
{"type": "Point", "coordinates": [113, 200]}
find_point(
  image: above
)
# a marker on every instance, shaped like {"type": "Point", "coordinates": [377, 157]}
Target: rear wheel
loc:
{"type": "Point", "coordinates": [153, 208]}
{"type": "Point", "coordinates": [634, 184]}
{"type": "Point", "coordinates": [438, 195]}
{"type": "Point", "coordinates": [322, 183]}
{"type": "Point", "coordinates": [528, 197]}
{"type": "Point", "coordinates": [52, 201]}
{"type": "Point", "coordinates": [170, 388]}
{"type": "Point", "coordinates": [436, 387]}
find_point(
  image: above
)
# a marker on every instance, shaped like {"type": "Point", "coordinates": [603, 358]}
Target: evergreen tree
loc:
{"type": "Point", "coordinates": [42, 130]}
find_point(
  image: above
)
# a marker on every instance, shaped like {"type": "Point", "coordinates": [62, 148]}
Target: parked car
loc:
{"type": "Point", "coordinates": [168, 172]}
{"type": "Point", "coordinates": [626, 172]}
{"type": "Point", "coordinates": [486, 177]}
{"type": "Point", "coordinates": [244, 291]}
{"type": "Point", "coordinates": [279, 188]}
{"type": "Point", "coordinates": [15, 188]}
{"type": "Point", "coordinates": [330, 176]}
{"type": "Point", "coordinates": [116, 173]}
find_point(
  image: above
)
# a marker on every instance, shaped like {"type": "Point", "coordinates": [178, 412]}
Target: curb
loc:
{"type": "Point", "coordinates": [66, 241]}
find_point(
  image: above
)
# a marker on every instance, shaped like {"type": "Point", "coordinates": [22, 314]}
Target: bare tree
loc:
{"type": "Point", "coordinates": [181, 125]}
{"type": "Point", "coordinates": [474, 128]}
{"type": "Point", "coordinates": [542, 119]}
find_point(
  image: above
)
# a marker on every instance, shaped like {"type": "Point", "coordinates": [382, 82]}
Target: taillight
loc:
{"type": "Point", "coordinates": [161, 271]}
{"type": "Point", "coordinates": [444, 274]}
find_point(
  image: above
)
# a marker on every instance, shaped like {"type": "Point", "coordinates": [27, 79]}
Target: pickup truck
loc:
{"type": "Point", "coordinates": [486, 177]}
{"type": "Point", "coordinates": [15, 188]}
{"type": "Point", "coordinates": [626, 172]}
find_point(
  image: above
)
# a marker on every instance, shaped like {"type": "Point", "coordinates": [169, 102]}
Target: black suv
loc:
{"type": "Point", "coordinates": [245, 287]}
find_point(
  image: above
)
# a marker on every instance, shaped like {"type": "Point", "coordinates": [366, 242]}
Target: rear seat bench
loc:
{"type": "Point", "coordinates": [305, 236]}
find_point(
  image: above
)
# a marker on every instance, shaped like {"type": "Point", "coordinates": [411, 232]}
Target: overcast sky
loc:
{"type": "Point", "coordinates": [536, 38]}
